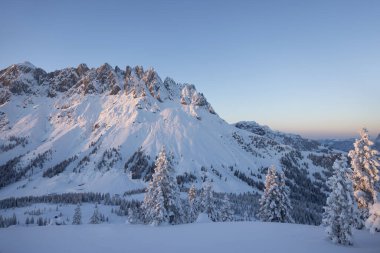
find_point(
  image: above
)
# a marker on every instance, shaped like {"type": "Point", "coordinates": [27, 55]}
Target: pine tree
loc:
{"type": "Point", "coordinates": [132, 216]}
{"type": "Point", "coordinates": [270, 201]}
{"type": "Point", "coordinates": [373, 221]}
{"type": "Point", "coordinates": [208, 205]}
{"type": "Point", "coordinates": [40, 221]}
{"type": "Point", "coordinates": [193, 204]}
{"type": "Point", "coordinates": [77, 217]}
{"type": "Point", "coordinates": [226, 213]}
{"type": "Point", "coordinates": [162, 199]}
{"type": "Point", "coordinates": [365, 173]}
{"type": "Point", "coordinates": [285, 205]}
{"type": "Point", "coordinates": [246, 216]}
{"type": "Point", "coordinates": [13, 219]}
{"type": "Point", "coordinates": [95, 218]}
{"type": "Point", "coordinates": [338, 217]}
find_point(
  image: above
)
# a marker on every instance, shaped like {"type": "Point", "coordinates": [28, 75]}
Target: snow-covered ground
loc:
{"type": "Point", "coordinates": [201, 237]}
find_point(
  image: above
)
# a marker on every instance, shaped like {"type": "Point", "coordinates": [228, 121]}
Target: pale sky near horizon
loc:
{"type": "Point", "coordinates": [307, 67]}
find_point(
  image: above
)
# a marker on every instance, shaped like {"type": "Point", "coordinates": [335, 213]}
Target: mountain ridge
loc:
{"type": "Point", "coordinates": [25, 78]}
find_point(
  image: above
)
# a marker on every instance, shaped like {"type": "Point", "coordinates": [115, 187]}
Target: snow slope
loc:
{"type": "Point", "coordinates": [203, 237]}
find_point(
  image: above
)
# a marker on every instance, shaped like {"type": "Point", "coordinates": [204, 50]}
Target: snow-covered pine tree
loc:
{"type": "Point", "coordinates": [193, 203]}
{"type": "Point", "coordinates": [373, 221]}
{"type": "Point", "coordinates": [246, 216]}
{"type": "Point", "coordinates": [132, 216]}
{"type": "Point", "coordinates": [226, 212]}
{"type": "Point", "coordinates": [271, 198]}
{"type": "Point", "coordinates": [162, 202]}
{"type": "Point", "coordinates": [338, 217]}
{"type": "Point", "coordinates": [208, 204]}
{"type": "Point", "coordinates": [40, 221]}
{"type": "Point", "coordinates": [285, 205]}
{"type": "Point", "coordinates": [77, 217]}
{"type": "Point", "coordinates": [96, 217]}
{"type": "Point", "coordinates": [102, 218]}
{"type": "Point", "coordinates": [364, 164]}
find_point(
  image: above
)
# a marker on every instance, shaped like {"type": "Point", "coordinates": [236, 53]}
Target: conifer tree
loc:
{"type": "Point", "coordinates": [132, 216]}
{"type": "Point", "coordinates": [365, 165]}
{"type": "Point", "coordinates": [285, 205]}
{"type": "Point", "coordinates": [193, 203]}
{"type": "Point", "coordinates": [77, 217]}
{"type": "Point", "coordinates": [14, 219]}
{"type": "Point", "coordinates": [208, 205]}
{"type": "Point", "coordinates": [275, 205]}
{"type": "Point", "coordinates": [271, 198]}
{"type": "Point", "coordinates": [96, 217]}
{"type": "Point", "coordinates": [226, 213]}
{"type": "Point", "coordinates": [162, 199]}
{"type": "Point", "coordinates": [246, 216]}
{"type": "Point", "coordinates": [373, 221]}
{"type": "Point", "coordinates": [40, 221]}
{"type": "Point", "coordinates": [338, 217]}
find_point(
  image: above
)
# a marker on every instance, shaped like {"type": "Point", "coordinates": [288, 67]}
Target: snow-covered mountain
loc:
{"type": "Point", "coordinates": [346, 144]}
{"type": "Point", "coordinates": [100, 129]}
{"type": "Point", "coordinates": [293, 140]}
{"type": "Point", "coordinates": [339, 144]}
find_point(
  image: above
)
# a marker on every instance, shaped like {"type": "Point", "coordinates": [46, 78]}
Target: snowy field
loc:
{"type": "Point", "coordinates": [201, 237]}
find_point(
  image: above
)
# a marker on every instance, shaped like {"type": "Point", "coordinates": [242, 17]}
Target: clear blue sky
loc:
{"type": "Point", "coordinates": [309, 67]}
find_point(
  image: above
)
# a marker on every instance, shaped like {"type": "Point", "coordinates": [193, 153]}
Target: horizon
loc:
{"type": "Point", "coordinates": [302, 68]}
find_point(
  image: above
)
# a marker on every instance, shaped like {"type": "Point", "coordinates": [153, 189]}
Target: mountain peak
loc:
{"type": "Point", "coordinates": [82, 68]}
{"type": "Point", "coordinates": [26, 79]}
{"type": "Point", "coordinates": [26, 64]}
